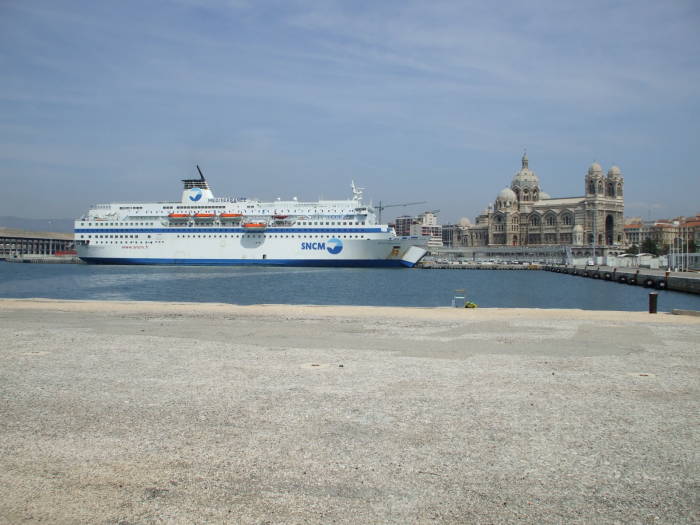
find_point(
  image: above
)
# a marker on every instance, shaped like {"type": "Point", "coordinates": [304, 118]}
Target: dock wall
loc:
{"type": "Point", "coordinates": [658, 279]}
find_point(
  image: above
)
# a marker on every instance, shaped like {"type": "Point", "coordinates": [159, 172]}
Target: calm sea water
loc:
{"type": "Point", "coordinates": [353, 286]}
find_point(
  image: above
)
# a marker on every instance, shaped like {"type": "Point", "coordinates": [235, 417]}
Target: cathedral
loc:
{"type": "Point", "coordinates": [524, 215]}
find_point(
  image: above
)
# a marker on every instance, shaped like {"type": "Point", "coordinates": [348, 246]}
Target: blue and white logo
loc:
{"type": "Point", "coordinates": [334, 246]}
{"type": "Point", "coordinates": [195, 194]}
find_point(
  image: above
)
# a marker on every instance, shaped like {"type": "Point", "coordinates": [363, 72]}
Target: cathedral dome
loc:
{"type": "Point", "coordinates": [464, 221]}
{"type": "Point", "coordinates": [507, 195]}
{"type": "Point", "coordinates": [614, 171]}
{"type": "Point", "coordinates": [595, 169]}
{"type": "Point", "coordinates": [525, 178]}
{"type": "Point", "coordinates": [544, 196]}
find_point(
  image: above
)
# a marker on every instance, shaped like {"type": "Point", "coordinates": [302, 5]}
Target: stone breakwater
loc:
{"type": "Point", "coordinates": [118, 412]}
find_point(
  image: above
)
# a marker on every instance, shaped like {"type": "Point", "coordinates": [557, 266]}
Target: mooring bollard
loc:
{"type": "Point", "coordinates": [653, 301]}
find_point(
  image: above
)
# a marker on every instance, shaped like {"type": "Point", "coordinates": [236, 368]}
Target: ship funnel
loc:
{"type": "Point", "coordinates": [196, 191]}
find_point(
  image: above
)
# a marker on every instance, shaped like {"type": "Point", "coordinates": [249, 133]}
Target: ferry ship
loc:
{"type": "Point", "coordinates": [201, 229]}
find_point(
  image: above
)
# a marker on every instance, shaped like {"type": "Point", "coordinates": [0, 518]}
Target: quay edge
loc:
{"type": "Point", "coordinates": [657, 279]}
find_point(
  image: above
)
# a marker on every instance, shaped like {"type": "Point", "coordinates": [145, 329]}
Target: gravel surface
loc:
{"type": "Point", "coordinates": [126, 413]}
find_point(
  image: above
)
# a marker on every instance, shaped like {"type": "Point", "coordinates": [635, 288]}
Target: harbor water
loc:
{"type": "Point", "coordinates": [328, 286]}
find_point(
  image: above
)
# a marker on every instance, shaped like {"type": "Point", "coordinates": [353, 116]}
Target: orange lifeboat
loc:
{"type": "Point", "coordinates": [178, 215]}
{"type": "Point", "coordinates": [230, 216]}
{"type": "Point", "coordinates": [204, 215]}
{"type": "Point", "coordinates": [255, 226]}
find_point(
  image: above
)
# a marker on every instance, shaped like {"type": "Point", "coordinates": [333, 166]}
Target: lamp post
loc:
{"type": "Point", "coordinates": [687, 255]}
{"type": "Point", "coordinates": [595, 260]}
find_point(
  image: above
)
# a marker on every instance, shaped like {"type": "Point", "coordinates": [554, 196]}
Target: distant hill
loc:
{"type": "Point", "coordinates": [38, 225]}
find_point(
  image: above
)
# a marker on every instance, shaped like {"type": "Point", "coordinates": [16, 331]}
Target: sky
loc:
{"type": "Point", "coordinates": [413, 100]}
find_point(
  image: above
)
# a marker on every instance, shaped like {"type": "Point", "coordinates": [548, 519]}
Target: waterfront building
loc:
{"type": "Point", "coordinates": [16, 243]}
{"type": "Point", "coordinates": [661, 232]}
{"type": "Point", "coordinates": [665, 233]}
{"type": "Point", "coordinates": [692, 224]}
{"type": "Point", "coordinates": [425, 224]}
{"type": "Point", "coordinates": [524, 215]}
{"type": "Point", "coordinates": [402, 225]}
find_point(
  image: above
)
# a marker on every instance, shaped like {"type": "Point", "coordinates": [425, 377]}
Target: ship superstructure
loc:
{"type": "Point", "coordinates": [201, 229]}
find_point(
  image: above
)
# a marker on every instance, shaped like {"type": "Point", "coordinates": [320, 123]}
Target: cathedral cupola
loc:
{"type": "Point", "coordinates": [614, 182]}
{"type": "Point", "coordinates": [526, 185]}
{"type": "Point", "coordinates": [506, 199]}
{"type": "Point", "coordinates": [594, 180]}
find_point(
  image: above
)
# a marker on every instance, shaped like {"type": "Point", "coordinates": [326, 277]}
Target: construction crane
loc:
{"type": "Point", "coordinates": [381, 206]}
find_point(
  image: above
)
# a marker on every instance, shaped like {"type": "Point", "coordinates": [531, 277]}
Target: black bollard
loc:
{"type": "Point", "coordinates": [653, 300]}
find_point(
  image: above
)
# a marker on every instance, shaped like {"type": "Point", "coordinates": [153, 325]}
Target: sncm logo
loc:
{"type": "Point", "coordinates": [333, 246]}
{"type": "Point", "coordinates": [195, 194]}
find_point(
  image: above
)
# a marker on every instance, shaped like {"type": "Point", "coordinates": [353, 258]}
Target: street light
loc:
{"type": "Point", "coordinates": [673, 246]}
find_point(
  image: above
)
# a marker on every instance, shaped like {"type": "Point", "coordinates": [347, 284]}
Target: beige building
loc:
{"type": "Point", "coordinates": [524, 215]}
{"type": "Point", "coordinates": [666, 233]}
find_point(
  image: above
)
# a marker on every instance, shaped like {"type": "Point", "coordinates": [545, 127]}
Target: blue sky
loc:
{"type": "Point", "coordinates": [414, 100]}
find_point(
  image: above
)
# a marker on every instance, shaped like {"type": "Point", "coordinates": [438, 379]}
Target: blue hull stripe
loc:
{"type": "Point", "coordinates": [368, 263]}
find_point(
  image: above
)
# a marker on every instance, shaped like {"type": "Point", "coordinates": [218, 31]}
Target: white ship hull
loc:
{"type": "Point", "coordinates": [200, 246]}
{"type": "Point", "coordinates": [203, 230]}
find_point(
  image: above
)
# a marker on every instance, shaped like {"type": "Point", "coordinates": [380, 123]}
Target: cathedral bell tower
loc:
{"type": "Point", "coordinates": [595, 185]}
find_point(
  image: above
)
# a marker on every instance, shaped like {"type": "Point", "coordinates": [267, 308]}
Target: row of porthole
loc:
{"type": "Point", "coordinates": [128, 242]}
{"type": "Point", "coordinates": [120, 224]}
{"type": "Point", "coordinates": [225, 236]}
{"type": "Point", "coordinates": [112, 237]}
{"type": "Point", "coordinates": [206, 236]}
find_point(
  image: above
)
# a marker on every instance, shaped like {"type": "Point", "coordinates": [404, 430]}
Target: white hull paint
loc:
{"type": "Point", "coordinates": [324, 233]}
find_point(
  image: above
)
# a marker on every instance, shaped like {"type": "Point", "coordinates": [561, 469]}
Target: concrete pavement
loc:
{"type": "Point", "coordinates": [126, 413]}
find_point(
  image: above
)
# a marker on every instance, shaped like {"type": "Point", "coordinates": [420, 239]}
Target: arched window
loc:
{"type": "Point", "coordinates": [566, 220]}
{"type": "Point", "coordinates": [611, 189]}
{"type": "Point", "coordinates": [619, 190]}
{"type": "Point", "coordinates": [534, 220]}
{"type": "Point", "coordinates": [591, 187]}
{"type": "Point", "coordinates": [550, 219]}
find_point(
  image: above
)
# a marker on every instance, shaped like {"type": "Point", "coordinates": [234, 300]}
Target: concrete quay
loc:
{"type": "Point", "coordinates": [688, 282]}
{"type": "Point", "coordinates": [45, 259]}
{"type": "Point", "coordinates": [476, 266]}
{"type": "Point", "coordinates": [129, 412]}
